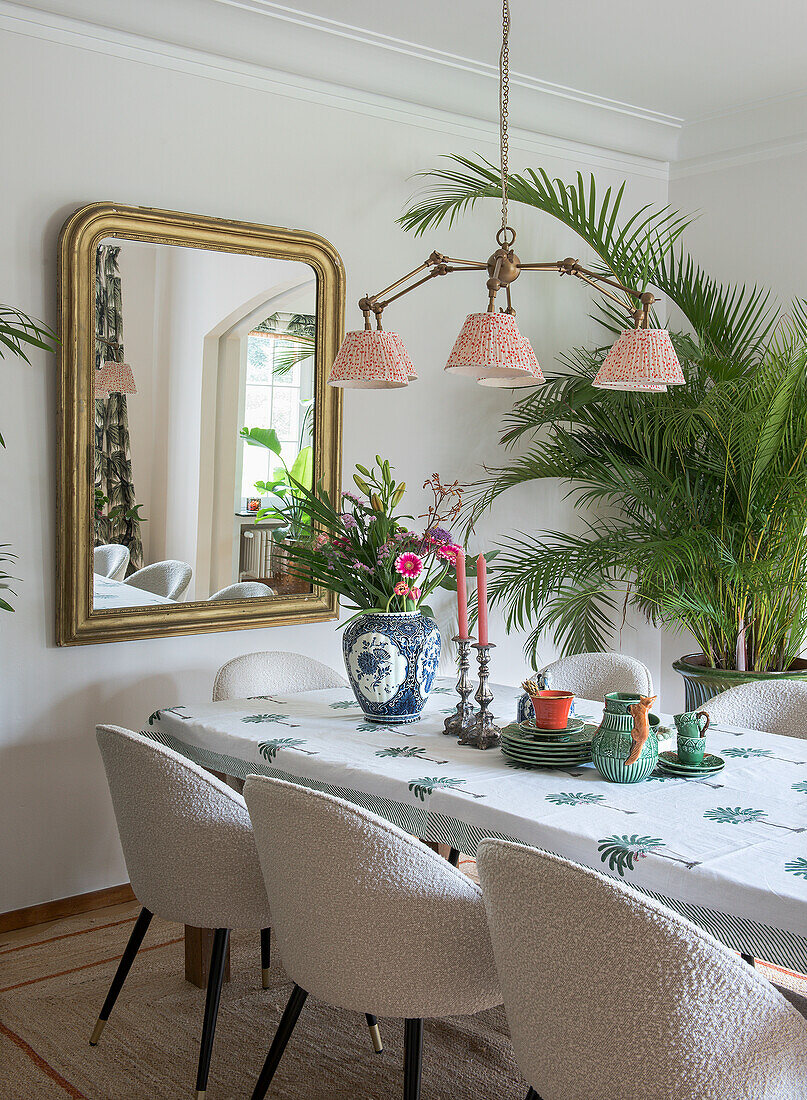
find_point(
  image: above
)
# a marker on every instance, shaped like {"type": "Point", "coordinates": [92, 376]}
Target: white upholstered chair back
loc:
{"type": "Point", "coordinates": [110, 560]}
{"type": "Point", "coordinates": [593, 675]}
{"type": "Point", "coordinates": [365, 916]}
{"type": "Point", "coordinates": [244, 590]}
{"type": "Point", "coordinates": [187, 838]}
{"type": "Point", "coordinates": [775, 707]}
{"type": "Point", "coordinates": [610, 996]}
{"type": "Point", "coordinates": [272, 673]}
{"type": "Point", "coordinates": [164, 578]}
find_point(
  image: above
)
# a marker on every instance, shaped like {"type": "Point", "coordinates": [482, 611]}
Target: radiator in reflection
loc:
{"type": "Point", "coordinates": [256, 554]}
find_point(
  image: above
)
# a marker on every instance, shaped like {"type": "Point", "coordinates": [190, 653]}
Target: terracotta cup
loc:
{"type": "Point", "coordinates": [552, 709]}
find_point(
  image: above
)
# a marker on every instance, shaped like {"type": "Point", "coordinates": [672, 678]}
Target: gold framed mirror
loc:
{"type": "Point", "coordinates": [193, 397]}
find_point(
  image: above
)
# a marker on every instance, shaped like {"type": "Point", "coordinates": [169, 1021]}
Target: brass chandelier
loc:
{"type": "Point", "coordinates": [490, 347]}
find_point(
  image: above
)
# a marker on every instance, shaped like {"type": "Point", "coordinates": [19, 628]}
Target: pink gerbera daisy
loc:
{"type": "Point", "coordinates": [409, 565]}
{"type": "Point", "coordinates": [449, 552]}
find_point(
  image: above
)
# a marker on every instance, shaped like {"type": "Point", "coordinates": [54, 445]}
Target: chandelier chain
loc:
{"type": "Point", "coordinates": [504, 96]}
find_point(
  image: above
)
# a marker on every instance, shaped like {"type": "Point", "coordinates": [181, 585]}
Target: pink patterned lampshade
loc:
{"type": "Point", "coordinates": [642, 359]}
{"type": "Point", "coordinates": [534, 377]}
{"type": "Point", "coordinates": [406, 362]}
{"type": "Point", "coordinates": [490, 346]}
{"type": "Point", "coordinates": [114, 378]}
{"type": "Point", "coordinates": [371, 360]}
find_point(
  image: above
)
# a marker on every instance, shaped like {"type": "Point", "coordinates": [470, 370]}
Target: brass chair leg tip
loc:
{"type": "Point", "coordinates": [375, 1035]}
{"type": "Point", "coordinates": [265, 977]}
{"type": "Point", "coordinates": [201, 1094]}
{"type": "Point", "coordinates": [96, 1032]}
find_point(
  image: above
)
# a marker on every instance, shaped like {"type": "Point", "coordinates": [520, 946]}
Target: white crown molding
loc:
{"type": "Point", "coordinates": [602, 133]}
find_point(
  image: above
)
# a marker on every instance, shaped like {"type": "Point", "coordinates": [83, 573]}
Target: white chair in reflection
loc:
{"type": "Point", "coordinates": [244, 590]}
{"type": "Point", "coordinates": [611, 996]}
{"type": "Point", "coordinates": [165, 578]}
{"type": "Point", "coordinates": [593, 675]}
{"type": "Point", "coordinates": [110, 560]}
{"type": "Point", "coordinates": [773, 706]}
{"type": "Point", "coordinates": [272, 673]}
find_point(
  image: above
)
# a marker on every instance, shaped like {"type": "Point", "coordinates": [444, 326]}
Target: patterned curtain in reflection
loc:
{"type": "Point", "coordinates": [113, 462]}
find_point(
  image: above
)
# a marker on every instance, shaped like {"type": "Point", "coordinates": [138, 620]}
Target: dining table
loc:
{"type": "Point", "coordinates": [727, 851]}
{"type": "Point", "coordinates": [109, 593]}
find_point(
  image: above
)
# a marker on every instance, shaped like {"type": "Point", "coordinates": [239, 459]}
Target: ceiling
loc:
{"type": "Point", "coordinates": [683, 58]}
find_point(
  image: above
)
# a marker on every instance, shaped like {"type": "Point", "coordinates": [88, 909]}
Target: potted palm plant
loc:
{"type": "Point", "coordinates": [695, 500]}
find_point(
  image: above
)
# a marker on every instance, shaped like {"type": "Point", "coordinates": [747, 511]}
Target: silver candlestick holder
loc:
{"type": "Point", "coordinates": [456, 724]}
{"type": "Point", "coordinates": [483, 733]}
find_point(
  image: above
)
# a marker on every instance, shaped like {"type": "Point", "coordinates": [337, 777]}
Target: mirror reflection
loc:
{"type": "Point", "coordinates": [204, 422]}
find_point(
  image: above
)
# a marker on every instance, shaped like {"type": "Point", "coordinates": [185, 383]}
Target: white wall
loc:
{"type": "Point", "coordinates": [86, 127]}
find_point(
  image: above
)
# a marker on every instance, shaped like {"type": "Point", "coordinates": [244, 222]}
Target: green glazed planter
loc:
{"type": "Point", "coordinates": [702, 682]}
{"type": "Point", "coordinates": [612, 742]}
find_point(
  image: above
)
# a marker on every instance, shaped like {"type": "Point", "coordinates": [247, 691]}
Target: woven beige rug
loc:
{"type": "Point", "coordinates": [53, 981]}
{"type": "Point", "coordinates": [51, 991]}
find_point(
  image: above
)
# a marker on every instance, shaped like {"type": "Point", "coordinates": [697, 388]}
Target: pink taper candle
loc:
{"type": "Point", "coordinates": [482, 597]}
{"type": "Point", "coordinates": [462, 595]}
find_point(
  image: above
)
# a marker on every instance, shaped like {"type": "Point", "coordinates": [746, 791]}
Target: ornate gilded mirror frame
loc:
{"type": "Point", "coordinates": [76, 620]}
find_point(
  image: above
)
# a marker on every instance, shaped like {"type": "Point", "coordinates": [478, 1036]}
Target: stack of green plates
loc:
{"type": "Point", "coordinates": [669, 764]}
{"type": "Point", "coordinates": [530, 747]}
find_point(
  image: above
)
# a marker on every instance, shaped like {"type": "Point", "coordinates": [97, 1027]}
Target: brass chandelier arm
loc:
{"type": "Point", "coordinates": [437, 264]}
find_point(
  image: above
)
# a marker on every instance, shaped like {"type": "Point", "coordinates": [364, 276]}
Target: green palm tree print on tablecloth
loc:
{"type": "Point", "coordinates": [797, 867]}
{"type": "Point", "coordinates": [270, 749]}
{"type": "Point", "coordinates": [766, 754]}
{"type": "Point", "coordinates": [377, 727]}
{"type": "Point", "coordinates": [408, 752]}
{"type": "Point", "coordinates": [421, 787]}
{"type": "Point", "coordinates": [279, 718]}
{"type": "Point", "coordinates": [343, 704]}
{"type": "Point", "coordinates": [622, 852]}
{"type": "Point", "coordinates": [169, 710]}
{"type": "Point", "coordinates": [580, 798]}
{"type": "Point", "coordinates": [734, 815]}
{"type": "Point", "coordinates": [800, 787]}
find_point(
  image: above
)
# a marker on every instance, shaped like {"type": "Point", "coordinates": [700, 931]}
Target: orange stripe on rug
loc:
{"type": "Point", "coordinates": [86, 966]}
{"type": "Point", "coordinates": [40, 1062]}
{"type": "Point", "coordinates": [67, 935]}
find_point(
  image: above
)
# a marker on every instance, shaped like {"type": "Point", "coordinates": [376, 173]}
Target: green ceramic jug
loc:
{"type": "Point", "coordinates": [612, 742]}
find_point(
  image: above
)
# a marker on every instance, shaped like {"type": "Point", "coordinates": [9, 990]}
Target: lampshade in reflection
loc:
{"type": "Point", "coordinates": [371, 360]}
{"type": "Point", "coordinates": [114, 378]}
{"type": "Point", "coordinates": [491, 347]}
{"type": "Point", "coordinates": [533, 378]}
{"type": "Point", "coordinates": [642, 359]}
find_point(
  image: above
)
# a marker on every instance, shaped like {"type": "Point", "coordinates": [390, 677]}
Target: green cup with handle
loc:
{"type": "Point", "coordinates": [691, 726]}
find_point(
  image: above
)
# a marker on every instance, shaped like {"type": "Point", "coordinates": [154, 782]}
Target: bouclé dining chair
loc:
{"type": "Point", "coordinates": [593, 675]}
{"type": "Point", "coordinates": [191, 858]}
{"type": "Point", "coordinates": [163, 578]}
{"type": "Point", "coordinates": [772, 706]}
{"type": "Point", "coordinates": [111, 559]}
{"type": "Point", "coordinates": [244, 590]}
{"type": "Point", "coordinates": [272, 673]}
{"type": "Point", "coordinates": [611, 996]}
{"type": "Point", "coordinates": [364, 914]}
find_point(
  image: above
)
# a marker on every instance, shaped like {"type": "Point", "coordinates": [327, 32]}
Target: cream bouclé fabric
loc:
{"type": "Point", "coordinates": [244, 590]}
{"type": "Point", "coordinates": [110, 560]}
{"type": "Point", "coordinates": [165, 578]}
{"type": "Point", "coordinates": [273, 672]}
{"type": "Point", "coordinates": [187, 838]}
{"type": "Point", "coordinates": [593, 675]}
{"type": "Point", "coordinates": [366, 917]}
{"type": "Point", "coordinates": [775, 707]}
{"type": "Point", "coordinates": [610, 996]}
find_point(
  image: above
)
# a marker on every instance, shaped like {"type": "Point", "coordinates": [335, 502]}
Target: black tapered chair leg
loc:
{"type": "Point", "coordinates": [218, 963]}
{"type": "Point", "coordinates": [749, 959]}
{"type": "Point", "coordinates": [128, 957]}
{"type": "Point", "coordinates": [532, 1094]}
{"type": "Point", "coordinates": [266, 955]}
{"type": "Point", "coordinates": [284, 1029]}
{"type": "Point", "coordinates": [413, 1055]}
{"type": "Point", "coordinates": [375, 1032]}
{"type": "Point", "coordinates": [454, 857]}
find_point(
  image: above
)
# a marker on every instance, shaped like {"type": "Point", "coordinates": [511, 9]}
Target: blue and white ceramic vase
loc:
{"type": "Point", "coordinates": [391, 660]}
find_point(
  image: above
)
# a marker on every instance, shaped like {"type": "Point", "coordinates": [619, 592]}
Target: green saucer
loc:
{"type": "Point", "coordinates": [582, 734]}
{"type": "Point", "coordinates": [572, 726]}
{"type": "Point", "coordinates": [668, 761]}
{"type": "Point", "coordinates": [526, 754]}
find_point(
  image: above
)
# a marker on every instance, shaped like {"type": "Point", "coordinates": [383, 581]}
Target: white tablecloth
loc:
{"type": "Point", "coordinates": [107, 593]}
{"type": "Point", "coordinates": [728, 851]}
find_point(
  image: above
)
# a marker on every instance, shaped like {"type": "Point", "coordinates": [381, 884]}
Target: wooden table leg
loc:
{"type": "Point", "coordinates": [198, 946]}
